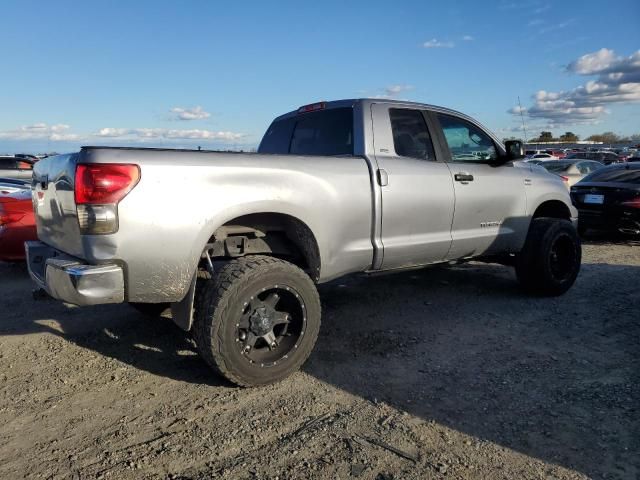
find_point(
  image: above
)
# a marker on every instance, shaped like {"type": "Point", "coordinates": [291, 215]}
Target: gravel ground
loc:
{"type": "Point", "coordinates": [440, 373]}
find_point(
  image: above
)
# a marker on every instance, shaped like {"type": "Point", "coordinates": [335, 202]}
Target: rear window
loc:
{"type": "Point", "coordinates": [326, 132]}
{"type": "Point", "coordinates": [615, 175]}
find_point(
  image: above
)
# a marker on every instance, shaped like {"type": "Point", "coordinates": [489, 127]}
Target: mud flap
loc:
{"type": "Point", "coordinates": [182, 311]}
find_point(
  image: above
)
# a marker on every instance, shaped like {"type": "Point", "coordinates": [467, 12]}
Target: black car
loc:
{"type": "Point", "coordinates": [609, 199]}
{"type": "Point", "coordinates": [606, 158]}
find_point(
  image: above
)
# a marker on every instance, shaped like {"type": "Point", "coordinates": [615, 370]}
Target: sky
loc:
{"type": "Point", "coordinates": [214, 74]}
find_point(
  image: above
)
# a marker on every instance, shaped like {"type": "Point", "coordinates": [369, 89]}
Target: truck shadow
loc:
{"type": "Point", "coordinates": [553, 378]}
{"type": "Point", "coordinates": [154, 345]}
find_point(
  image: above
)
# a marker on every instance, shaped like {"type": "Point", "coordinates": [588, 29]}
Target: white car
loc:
{"type": "Point", "coordinates": [572, 171]}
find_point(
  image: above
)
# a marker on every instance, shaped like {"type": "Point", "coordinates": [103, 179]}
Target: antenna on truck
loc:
{"type": "Point", "coordinates": [524, 128]}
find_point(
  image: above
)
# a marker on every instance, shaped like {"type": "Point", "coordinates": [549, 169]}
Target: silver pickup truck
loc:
{"type": "Point", "coordinates": [234, 243]}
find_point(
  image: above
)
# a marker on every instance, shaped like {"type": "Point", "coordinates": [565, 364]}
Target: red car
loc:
{"type": "Point", "coordinates": [17, 221]}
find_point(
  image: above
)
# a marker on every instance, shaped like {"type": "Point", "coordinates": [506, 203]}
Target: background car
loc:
{"type": "Point", "coordinates": [609, 199]}
{"type": "Point", "coordinates": [17, 221]}
{"type": "Point", "coordinates": [560, 154]}
{"type": "Point", "coordinates": [605, 158]}
{"type": "Point", "coordinates": [16, 167]}
{"type": "Point", "coordinates": [572, 171]}
{"type": "Point", "coordinates": [542, 156]}
{"type": "Point", "coordinates": [10, 185]}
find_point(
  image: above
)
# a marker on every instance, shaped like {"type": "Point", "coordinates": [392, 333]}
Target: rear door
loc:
{"type": "Point", "coordinates": [417, 190]}
{"type": "Point", "coordinates": [490, 201]}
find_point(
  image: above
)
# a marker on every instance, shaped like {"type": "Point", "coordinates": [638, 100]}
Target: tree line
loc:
{"type": "Point", "coordinates": [570, 137]}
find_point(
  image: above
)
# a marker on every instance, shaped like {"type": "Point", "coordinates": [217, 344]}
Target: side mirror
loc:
{"type": "Point", "coordinates": [515, 149]}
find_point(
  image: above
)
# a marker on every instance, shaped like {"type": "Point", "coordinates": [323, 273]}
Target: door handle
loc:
{"type": "Point", "coordinates": [463, 177]}
{"type": "Point", "coordinates": [383, 177]}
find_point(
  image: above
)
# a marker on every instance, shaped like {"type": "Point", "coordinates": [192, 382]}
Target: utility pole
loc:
{"type": "Point", "coordinates": [524, 128]}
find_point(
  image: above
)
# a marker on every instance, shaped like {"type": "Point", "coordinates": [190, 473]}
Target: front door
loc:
{"type": "Point", "coordinates": [490, 203]}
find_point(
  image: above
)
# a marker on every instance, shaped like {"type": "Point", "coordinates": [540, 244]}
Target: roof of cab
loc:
{"type": "Point", "coordinates": [368, 101]}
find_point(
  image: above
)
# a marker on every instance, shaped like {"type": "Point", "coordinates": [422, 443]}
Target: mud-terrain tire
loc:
{"type": "Point", "coordinates": [150, 310]}
{"type": "Point", "coordinates": [549, 263]}
{"type": "Point", "coordinates": [250, 302]}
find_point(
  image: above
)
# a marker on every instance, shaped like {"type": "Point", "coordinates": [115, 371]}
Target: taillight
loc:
{"type": "Point", "coordinates": [101, 183]}
{"type": "Point", "coordinates": [98, 189]}
{"type": "Point", "coordinates": [9, 217]}
{"type": "Point", "coordinates": [564, 179]}
{"type": "Point", "coordinates": [635, 203]}
{"type": "Point", "coordinates": [312, 107]}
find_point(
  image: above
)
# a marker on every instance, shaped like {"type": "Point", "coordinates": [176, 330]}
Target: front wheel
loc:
{"type": "Point", "coordinates": [550, 260]}
{"type": "Point", "coordinates": [257, 320]}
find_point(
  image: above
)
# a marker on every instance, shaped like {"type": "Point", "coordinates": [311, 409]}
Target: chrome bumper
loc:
{"type": "Point", "coordinates": [70, 280]}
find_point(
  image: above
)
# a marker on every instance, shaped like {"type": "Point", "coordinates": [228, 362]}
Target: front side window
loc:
{"type": "Point", "coordinates": [410, 134]}
{"type": "Point", "coordinates": [467, 143]}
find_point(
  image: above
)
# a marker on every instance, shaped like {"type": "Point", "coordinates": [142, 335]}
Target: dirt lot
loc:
{"type": "Point", "coordinates": [456, 369]}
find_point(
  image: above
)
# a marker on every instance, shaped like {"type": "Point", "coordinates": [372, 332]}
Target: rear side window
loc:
{"type": "Point", "coordinates": [326, 132]}
{"type": "Point", "coordinates": [615, 175]}
{"type": "Point", "coordinates": [410, 135]}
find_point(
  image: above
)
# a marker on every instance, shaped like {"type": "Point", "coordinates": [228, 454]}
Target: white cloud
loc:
{"type": "Point", "coordinates": [112, 132]}
{"type": "Point", "coordinates": [542, 9]}
{"type": "Point", "coordinates": [195, 113]}
{"type": "Point", "coordinates": [605, 61]}
{"type": "Point", "coordinates": [61, 132]}
{"type": "Point", "coordinates": [468, 38]}
{"type": "Point", "coordinates": [392, 91]}
{"type": "Point", "coordinates": [40, 131]}
{"type": "Point", "coordinates": [618, 81]}
{"type": "Point", "coordinates": [435, 43]}
{"type": "Point", "coordinates": [133, 134]}
{"type": "Point", "coordinates": [517, 110]}
{"type": "Point", "coordinates": [552, 27]}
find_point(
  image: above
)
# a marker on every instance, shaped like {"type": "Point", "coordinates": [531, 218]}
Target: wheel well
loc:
{"type": "Point", "coordinates": [553, 209]}
{"type": "Point", "coordinates": [273, 234]}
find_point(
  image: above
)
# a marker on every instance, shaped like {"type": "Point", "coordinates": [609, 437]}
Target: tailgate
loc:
{"type": "Point", "coordinates": [54, 203]}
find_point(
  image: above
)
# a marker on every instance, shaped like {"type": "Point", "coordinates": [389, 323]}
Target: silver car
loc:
{"type": "Point", "coordinates": [16, 167]}
{"type": "Point", "coordinates": [571, 171]}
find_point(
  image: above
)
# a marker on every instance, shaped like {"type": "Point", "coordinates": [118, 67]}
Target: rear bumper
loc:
{"type": "Point", "coordinates": [614, 219]}
{"type": "Point", "coordinates": [70, 279]}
